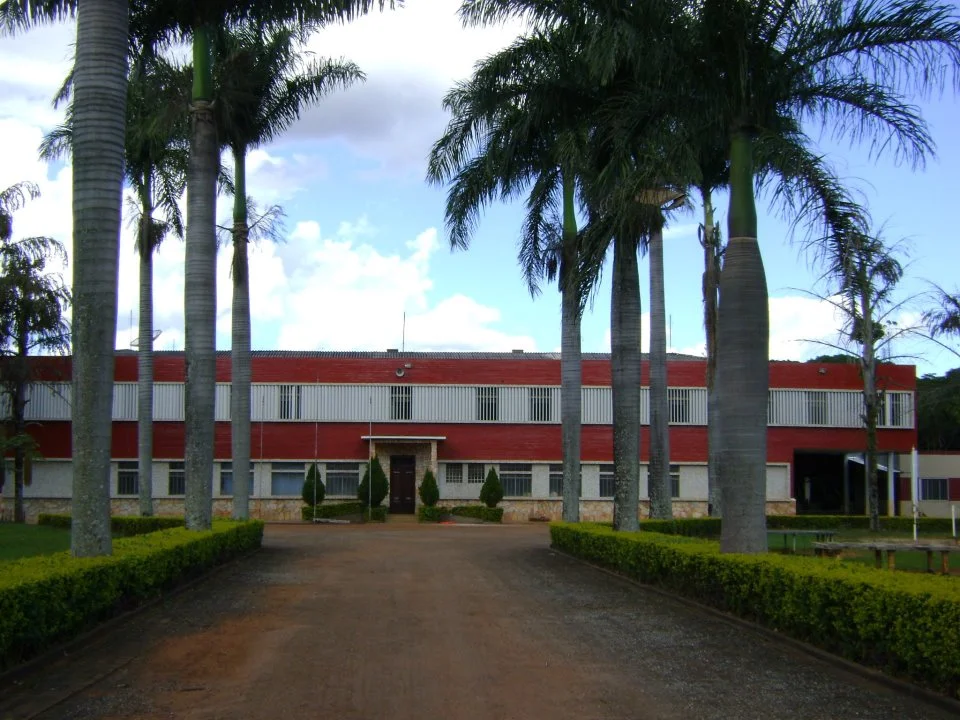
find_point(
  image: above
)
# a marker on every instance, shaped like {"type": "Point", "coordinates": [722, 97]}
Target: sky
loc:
{"type": "Point", "coordinates": [366, 263]}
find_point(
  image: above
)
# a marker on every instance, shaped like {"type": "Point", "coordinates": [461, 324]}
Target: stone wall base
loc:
{"type": "Point", "coordinates": [286, 509]}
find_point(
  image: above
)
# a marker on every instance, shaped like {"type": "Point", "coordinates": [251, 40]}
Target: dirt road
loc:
{"type": "Point", "coordinates": [410, 622]}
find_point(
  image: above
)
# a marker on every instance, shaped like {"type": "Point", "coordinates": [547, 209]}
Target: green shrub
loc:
{"type": "Point", "coordinates": [50, 598]}
{"type": "Point", "coordinates": [313, 484]}
{"type": "Point", "coordinates": [375, 514]}
{"type": "Point", "coordinates": [308, 512]}
{"type": "Point", "coordinates": [380, 486]}
{"type": "Point", "coordinates": [430, 513]}
{"type": "Point", "coordinates": [491, 492]}
{"type": "Point", "coordinates": [481, 512]}
{"type": "Point", "coordinates": [905, 623]}
{"type": "Point", "coordinates": [120, 525]}
{"type": "Point", "coordinates": [692, 527]}
{"type": "Point", "coordinates": [429, 492]}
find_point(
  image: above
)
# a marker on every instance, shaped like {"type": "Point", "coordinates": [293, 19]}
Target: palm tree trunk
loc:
{"type": "Point", "coordinates": [743, 332]}
{"type": "Point", "coordinates": [19, 428]}
{"type": "Point", "coordinates": [870, 405]}
{"type": "Point", "coordinates": [145, 353]}
{"type": "Point", "coordinates": [570, 358]}
{"type": "Point", "coordinates": [711, 281]}
{"type": "Point", "coordinates": [200, 292]}
{"type": "Point", "coordinates": [240, 344]}
{"type": "Point", "coordinates": [99, 114]}
{"type": "Point", "coordinates": [658, 483]}
{"type": "Point", "coordinates": [625, 369]}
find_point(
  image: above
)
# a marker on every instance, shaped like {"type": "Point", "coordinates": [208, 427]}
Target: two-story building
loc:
{"type": "Point", "coordinates": [460, 414]}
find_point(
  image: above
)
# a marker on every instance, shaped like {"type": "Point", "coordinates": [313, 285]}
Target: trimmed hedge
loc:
{"type": "Point", "coordinates": [481, 512]}
{"type": "Point", "coordinates": [692, 527]}
{"type": "Point", "coordinates": [120, 525]}
{"type": "Point", "coordinates": [50, 598]}
{"type": "Point", "coordinates": [904, 623]}
{"type": "Point", "coordinates": [331, 511]}
{"type": "Point", "coordinates": [375, 514]}
{"type": "Point", "coordinates": [431, 513]}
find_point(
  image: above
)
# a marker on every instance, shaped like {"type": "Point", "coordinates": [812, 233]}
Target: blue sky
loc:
{"type": "Point", "coordinates": [365, 237]}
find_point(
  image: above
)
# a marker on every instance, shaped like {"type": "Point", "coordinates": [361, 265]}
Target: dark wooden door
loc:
{"type": "Point", "coordinates": [403, 484]}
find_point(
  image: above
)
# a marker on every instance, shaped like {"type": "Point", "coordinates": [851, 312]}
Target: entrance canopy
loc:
{"type": "Point", "coordinates": [404, 438]}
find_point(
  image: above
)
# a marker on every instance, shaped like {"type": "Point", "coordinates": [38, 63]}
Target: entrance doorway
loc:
{"type": "Point", "coordinates": [403, 484]}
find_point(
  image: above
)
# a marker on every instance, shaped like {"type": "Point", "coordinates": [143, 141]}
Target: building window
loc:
{"type": "Point", "coordinates": [674, 481]}
{"type": "Point", "coordinates": [226, 478]}
{"type": "Point", "coordinates": [343, 479]}
{"type": "Point", "coordinates": [679, 404]}
{"type": "Point", "coordinates": [475, 473]}
{"type": "Point", "coordinates": [556, 480]}
{"type": "Point", "coordinates": [289, 402]}
{"type": "Point", "coordinates": [898, 407]}
{"type": "Point", "coordinates": [608, 481]}
{"type": "Point", "coordinates": [517, 479]}
{"type": "Point", "coordinates": [176, 479]}
{"type": "Point", "coordinates": [401, 407]}
{"type": "Point", "coordinates": [286, 478]}
{"type": "Point", "coordinates": [128, 478]}
{"type": "Point", "coordinates": [816, 407]}
{"type": "Point", "coordinates": [933, 489]}
{"type": "Point", "coordinates": [454, 472]}
{"type": "Point", "coordinates": [540, 410]}
{"type": "Point", "coordinates": [488, 403]}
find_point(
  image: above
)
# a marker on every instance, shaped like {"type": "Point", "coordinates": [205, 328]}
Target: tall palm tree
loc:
{"type": "Point", "coordinates": [104, 29]}
{"type": "Point", "coordinates": [155, 167]}
{"type": "Point", "coordinates": [100, 78]}
{"type": "Point", "coordinates": [846, 64]}
{"type": "Point", "coordinates": [263, 83]}
{"type": "Point", "coordinates": [509, 123]}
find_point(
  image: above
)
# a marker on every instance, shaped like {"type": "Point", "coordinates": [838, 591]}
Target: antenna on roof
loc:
{"type": "Point", "coordinates": [403, 333]}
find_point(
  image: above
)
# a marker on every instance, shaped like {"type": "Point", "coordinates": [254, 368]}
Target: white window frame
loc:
{"type": "Point", "coordinates": [126, 469]}
{"type": "Point", "coordinates": [517, 473]}
{"type": "Point", "coordinates": [488, 403]}
{"type": "Point", "coordinates": [401, 402]}
{"type": "Point", "coordinates": [941, 482]}
{"type": "Point", "coordinates": [289, 402]}
{"type": "Point", "coordinates": [540, 404]}
{"type": "Point", "coordinates": [680, 405]}
{"type": "Point", "coordinates": [457, 477]}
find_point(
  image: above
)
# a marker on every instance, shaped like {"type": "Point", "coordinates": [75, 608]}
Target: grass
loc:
{"type": "Point", "coordinates": [906, 560]}
{"type": "Point", "coordinates": [20, 541]}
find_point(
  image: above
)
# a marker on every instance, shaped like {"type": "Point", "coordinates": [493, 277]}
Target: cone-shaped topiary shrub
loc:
{"type": "Point", "coordinates": [380, 486]}
{"type": "Point", "coordinates": [313, 479]}
{"type": "Point", "coordinates": [492, 491]}
{"type": "Point", "coordinates": [429, 492]}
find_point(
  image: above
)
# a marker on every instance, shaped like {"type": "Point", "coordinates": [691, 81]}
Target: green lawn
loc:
{"type": "Point", "coordinates": [905, 560]}
{"type": "Point", "coordinates": [19, 541]}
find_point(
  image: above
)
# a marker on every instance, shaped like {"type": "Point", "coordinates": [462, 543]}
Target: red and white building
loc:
{"type": "Point", "coordinates": [460, 414]}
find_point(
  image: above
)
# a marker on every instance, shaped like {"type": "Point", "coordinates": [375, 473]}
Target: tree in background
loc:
{"type": "Point", "coordinates": [33, 301]}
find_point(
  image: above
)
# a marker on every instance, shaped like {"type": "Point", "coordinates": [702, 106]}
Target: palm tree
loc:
{"type": "Point", "coordinates": [32, 304]}
{"type": "Point", "coordinates": [99, 111]}
{"type": "Point", "coordinates": [263, 83]}
{"type": "Point", "coordinates": [847, 65]}
{"type": "Point", "coordinates": [510, 121]}
{"type": "Point", "coordinates": [104, 28]}
{"type": "Point", "coordinates": [155, 167]}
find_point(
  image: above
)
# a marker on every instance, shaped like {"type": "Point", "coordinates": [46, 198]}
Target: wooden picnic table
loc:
{"type": "Point", "coordinates": [890, 548]}
{"type": "Point", "coordinates": [817, 535]}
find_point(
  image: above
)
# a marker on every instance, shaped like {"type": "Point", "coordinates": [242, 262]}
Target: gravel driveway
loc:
{"type": "Point", "coordinates": [406, 621]}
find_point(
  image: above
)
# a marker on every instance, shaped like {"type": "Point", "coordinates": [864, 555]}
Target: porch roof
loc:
{"type": "Point", "coordinates": [404, 438]}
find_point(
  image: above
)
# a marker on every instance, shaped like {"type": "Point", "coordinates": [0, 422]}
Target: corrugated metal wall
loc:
{"type": "Point", "coordinates": [458, 404]}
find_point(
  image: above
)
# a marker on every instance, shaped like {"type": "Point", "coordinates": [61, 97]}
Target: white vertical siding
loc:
{"type": "Point", "coordinates": [45, 401]}
{"type": "Point", "coordinates": [222, 402]}
{"type": "Point", "coordinates": [125, 401]}
{"type": "Point", "coordinates": [458, 404]}
{"type": "Point", "coordinates": [168, 401]}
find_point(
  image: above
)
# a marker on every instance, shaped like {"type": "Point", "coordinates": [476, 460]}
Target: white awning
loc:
{"type": "Point", "coordinates": [404, 438]}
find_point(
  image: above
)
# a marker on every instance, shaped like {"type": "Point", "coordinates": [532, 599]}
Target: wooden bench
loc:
{"type": "Point", "coordinates": [818, 535]}
{"type": "Point", "coordinates": [833, 549]}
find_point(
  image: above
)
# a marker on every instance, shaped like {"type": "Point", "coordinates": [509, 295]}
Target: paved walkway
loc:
{"type": "Point", "coordinates": [408, 622]}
